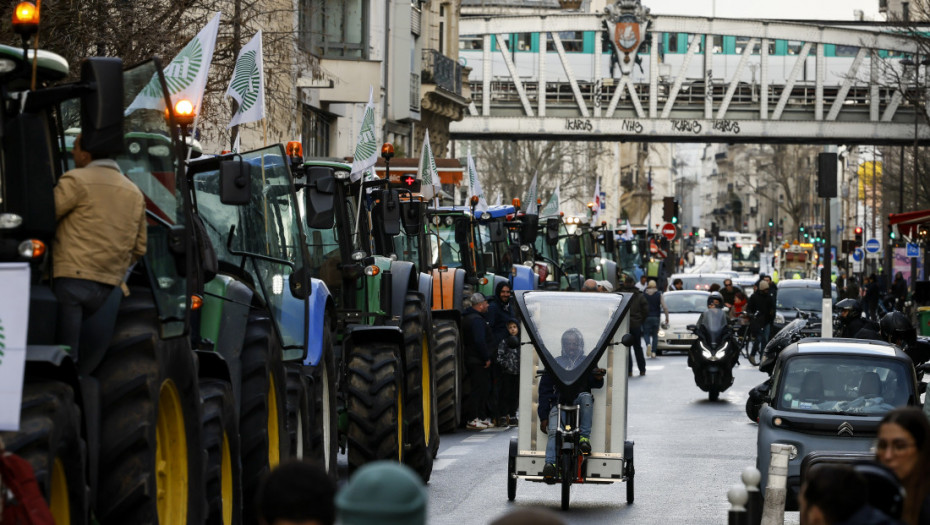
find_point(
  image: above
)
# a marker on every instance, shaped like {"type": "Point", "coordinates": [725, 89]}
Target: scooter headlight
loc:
{"type": "Point", "coordinates": [721, 352]}
{"type": "Point", "coordinates": [707, 353]}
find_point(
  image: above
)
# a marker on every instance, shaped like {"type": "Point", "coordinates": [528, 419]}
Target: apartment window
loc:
{"type": "Point", "coordinates": [315, 130]}
{"type": "Point", "coordinates": [335, 28]}
{"type": "Point", "coordinates": [572, 41]}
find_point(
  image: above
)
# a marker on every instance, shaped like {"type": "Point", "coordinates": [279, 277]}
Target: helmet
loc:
{"type": "Point", "coordinates": [715, 297]}
{"type": "Point", "coordinates": [896, 329]}
{"type": "Point", "coordinates": [852, 308]}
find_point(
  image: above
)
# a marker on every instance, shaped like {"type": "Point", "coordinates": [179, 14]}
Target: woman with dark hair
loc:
{"type": "Point", "coordinates": [903, 445]}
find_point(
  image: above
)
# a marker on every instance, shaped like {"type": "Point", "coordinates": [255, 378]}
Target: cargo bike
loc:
{"type": "Point", "coordinates": [577, 342]}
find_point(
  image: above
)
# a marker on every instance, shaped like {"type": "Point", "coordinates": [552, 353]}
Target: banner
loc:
{"type": "Point", "coordinates": [429, 173]}
{"type": "Point", "coordinates": [247, 84]}
{"type": "Point", "coordinates": [186, 75]}
{"type": "Point", "coordinates": [596, 210]}
{"type": "Point", "coordinates": [551, 209]}
{"type": "Point", "coordinates": [475, 186]}
{"type": "Point", "coordinates": [532, 208]}
{"type": "Point", "coordinates": [366, 148]}
{"type": "Point", "coordinates": [14, 321]}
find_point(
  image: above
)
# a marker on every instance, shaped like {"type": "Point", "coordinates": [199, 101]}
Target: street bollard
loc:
{"type": "Point", "coordinates": [773, 511]}
{"type": "Point", "coordinates": [738, 497]}
{"type": "Point", "coordinates": [751, 477]}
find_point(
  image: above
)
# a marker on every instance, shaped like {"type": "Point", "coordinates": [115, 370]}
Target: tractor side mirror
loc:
{"type": "Point", "coordinates": [498, 231]}
{"type": "Point", "coordinates": [530, 229]}
{"type": "Point", "coordinates": [299, 283]}
{"type": "Point", "coordinates": [574, 245]}
{"type": "Point", "coordinates": [552, 231]}
{"type": "Point", "coordinates": [235, 186]}
{"type": "Point", "coordinates": [461, 232]}
{"type": "Point", "coordinates": [320, 190]}
{"type": "Point", "coordinates": [389, 212]}
{"type": "Point", "coordinates": [411, 214]}
{"type": "Point", "coordinates": [102, 106]}
{"type": "Point", "coordinates": [609, 243]}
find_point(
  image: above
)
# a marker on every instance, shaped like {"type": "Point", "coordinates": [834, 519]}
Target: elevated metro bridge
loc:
{"type": "Point", "coordinates": [556, 77]}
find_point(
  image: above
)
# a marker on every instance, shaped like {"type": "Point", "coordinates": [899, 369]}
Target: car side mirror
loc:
{"type": "Point", "coordinates": [320, 197]}
{"type": "Point", "coordinates": [691, 327]}
{"type": "Point", "coordinates": [235, 183]}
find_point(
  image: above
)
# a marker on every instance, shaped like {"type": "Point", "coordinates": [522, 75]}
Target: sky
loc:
{"type": "Point", "coordinates": [784, 9]}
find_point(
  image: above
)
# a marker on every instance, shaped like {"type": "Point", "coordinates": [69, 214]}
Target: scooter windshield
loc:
{"type": "Point", "coordinates": [570, 330]}
{"type": "Point", "coordinates": [713, 323]}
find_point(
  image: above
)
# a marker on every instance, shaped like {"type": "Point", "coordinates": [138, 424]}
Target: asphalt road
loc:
{"type": "Point", "coordinates": [689, 451]}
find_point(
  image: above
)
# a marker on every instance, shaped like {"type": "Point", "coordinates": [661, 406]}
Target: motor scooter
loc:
{"type": "Point", "coordinates": [802, 326]}
{"type": "Point", "coordinates": [714, 353]}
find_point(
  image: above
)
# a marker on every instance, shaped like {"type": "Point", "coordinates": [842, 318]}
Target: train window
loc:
{"type": "Point", "coordinates": [572, 41]}
{"type": "Point", "coordinates": [700, 49]}
{"type": "Point", "coordinates": [524, 41]}
{"type": "Point", "coordinates": [718, 44]}
{"type": "Point", "coordinates": [673, 43]}
{"type": "Point", "coordinates": [794, 47]}
{"type": "Point", "coordinates": [846, 51]}
{"type": "Point", "coordinates": [467, 42]}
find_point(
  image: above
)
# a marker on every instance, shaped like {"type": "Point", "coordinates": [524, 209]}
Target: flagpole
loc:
{"type": "Point", "coordinates": [264, 132]}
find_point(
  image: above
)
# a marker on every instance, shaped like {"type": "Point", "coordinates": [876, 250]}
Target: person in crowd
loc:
{"type": "Point", "coordinates": [851, 320]}
{"type": "Point", "coordinates": [728, 292]}
{"type": "Point", "coordinates": [550, 397]}
{"type": "Point", "coordinates": [383, 493]}
{"type": "Point", "coordinates": [643, 282]}
{"type": "Point", "coordinates": [656, 307]}
{"type": "Point", "coordinates": [762, 306]}
{"type": "Point", "coordinates": [101, 233]}
{"type": "Point", "coordinates": [739, 303]}
{"type": "Point", "coordinates": [508, 360]}
{"type": "Point", "coordinates": [841, 283]}
{"type": "Point", "coordinates": [639, 310]}
{"type": "Point", "coordinates": [500, 313]}
{"type": "Point", "coordinates": [296, 493]}
{"type": "Point", "coordinates": [873, 293]}
{"type": "Point", "coordinates": [590, 285]}
{"type": "Point", "coordinates": [852, 289]}
{"type": "Point", "coordinates": [903, 445]}
{"type": "Point", "coordinates": [835, 494]}
{"type": "Point", "coordinates": [678, 284]}
{"type": "Point", "coordinates": [479, 341]}
{"type": "Point", "coordinates": [714, 288]}
{"type": "Point", "coordinates": [605, 286]}
{"type": "Point", "coordinates": [899, 291]}
{"type": "Point", "coordinates": [773, 287]}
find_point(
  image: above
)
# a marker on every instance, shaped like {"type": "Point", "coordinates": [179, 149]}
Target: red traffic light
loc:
{"type": "Point", "coordinates": [858, 230]}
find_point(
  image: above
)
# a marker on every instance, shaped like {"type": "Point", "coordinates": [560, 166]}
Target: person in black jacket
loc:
{"type": "Point", "coordinates": [478, 347]}
{"type": "Point", "coordinates": [763, 306]}
{"type": "Point", "coordinates": [500, 314]}
{"type": "Point", "coordinates": [899, 291]}
{"type": "Point", "coordinates": [550, 397]}
{"type": "Point", "coordinates": [639, 309]}
{"type": "Point", "coordinates": [873, 293]}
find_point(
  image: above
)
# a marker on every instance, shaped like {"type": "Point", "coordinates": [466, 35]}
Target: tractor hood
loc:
{"type": "Point", "coordinates": [571, 330]}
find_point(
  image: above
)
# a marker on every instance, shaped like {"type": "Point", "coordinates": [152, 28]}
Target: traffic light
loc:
{"type": "Point", "coordinates": [858, 236]}
{"type": "Point", "coordinates": [668, 208]}
{"type": "Point", "coordinates": [771, 223]}
{"type": "Point", "coordinates": [675, 211]}
{"type": "Point", "coordinates": [892, 235]}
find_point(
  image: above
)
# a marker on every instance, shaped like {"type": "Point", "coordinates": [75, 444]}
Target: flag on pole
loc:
{"type": "Point", "coordinates": [247, 84]}
{"type": "Point", "coordinates": [551, 208]}
{"type": "Point", "coordinates": [628, 234]}
{"type": "Point", "coordinates": [186, 75]}
{"type": "Point", "coordinates": [532, 208]}
{"type": "Point", "coordinates": [475, 186]}
{"type": "Point", "coordinates": [429, 173]}
{"type": "Point", "coordinates": [500, 198]}
{"type": "Point", "coordinates": [366, 149]}
{"type": "Point", "coordinates": [596, 210]}
{"type": "Point", "coordinates": [237, 143]}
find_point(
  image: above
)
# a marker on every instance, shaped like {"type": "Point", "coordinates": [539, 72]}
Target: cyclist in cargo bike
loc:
{"type": "Point", "coordinates": [572, 436]}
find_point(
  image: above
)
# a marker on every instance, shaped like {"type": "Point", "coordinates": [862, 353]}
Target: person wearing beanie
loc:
{"type": "Point", "coordinates": [382, 493]}
{"type": "Point", "coordinates": [479, 344]}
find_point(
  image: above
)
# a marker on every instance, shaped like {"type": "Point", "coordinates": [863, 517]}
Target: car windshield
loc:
{"type": "Point", "coordinates": [842, 384]}
{"type": "Point", "coordinates": [569, 326]}
{"type": "Point", "coordinates": [698, 282]}
{"type": "Point", "coordinates": [686, 303]}
{"type": "Point", "coordinates": [800, 298]}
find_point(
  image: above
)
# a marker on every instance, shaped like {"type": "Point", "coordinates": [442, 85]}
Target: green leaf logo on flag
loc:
{"type": "Point", "coordinates": [181, 72]}
{"type": "Point", "coordinates": [247, 80]}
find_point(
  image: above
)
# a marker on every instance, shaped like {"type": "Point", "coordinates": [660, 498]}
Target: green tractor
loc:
{"type": "Point", "coordinates": [387, 381]}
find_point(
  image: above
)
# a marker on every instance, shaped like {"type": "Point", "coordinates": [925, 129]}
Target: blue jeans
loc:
{"type": "Point", "coordinates": [762, 339]}
{"type": "Point", "coordinates": [586, 401]}
{"type": "Point", "coordinates": [651, 331]}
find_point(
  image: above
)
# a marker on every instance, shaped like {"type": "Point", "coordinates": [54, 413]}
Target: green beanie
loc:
{"type": "Point", "coordinates": [382, 493]}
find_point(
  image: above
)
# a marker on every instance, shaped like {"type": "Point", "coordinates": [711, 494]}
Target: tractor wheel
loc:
{"type": "Point", "coordinates": [448, 374]}
{"type": "Point", "coordinates": [151, 455]}
{"type": "Point", "coordinates": [50, 439]}
{"type": "Point", "coordinates": [374, 405]}
{"type": "Point", "coordinates": [222, 447]}
{"type": "Point", "coordinates": [262, 415]}
{"type": "Point", "coordinates": [297, 408]}
{"type": "Point", "coordinates": [420, 392]}
{"type": "Point", "coordinates": [324, 430]}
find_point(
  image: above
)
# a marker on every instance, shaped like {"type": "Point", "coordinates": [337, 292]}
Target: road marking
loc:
{"type": "Point", "coordinates": [655, 367]}
{"type": "Point", "coordinates": [457, 450]}
{"type": "Point", "coordinates": [497, 429]}
{"type": "Point", "coordinates": [477, 439]}
{"type": "Point", "coordinates": [441, 463]}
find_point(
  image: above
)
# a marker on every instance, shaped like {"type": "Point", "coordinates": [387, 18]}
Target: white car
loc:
{"type": "Point", "coordinates": [684, 308]}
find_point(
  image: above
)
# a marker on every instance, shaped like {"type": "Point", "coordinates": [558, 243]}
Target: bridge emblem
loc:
{"type": "Point", "coordinates": [626, 23]}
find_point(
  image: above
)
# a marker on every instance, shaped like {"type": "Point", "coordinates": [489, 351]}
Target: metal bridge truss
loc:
{"type": "Point", "coordinates": [861, 105]}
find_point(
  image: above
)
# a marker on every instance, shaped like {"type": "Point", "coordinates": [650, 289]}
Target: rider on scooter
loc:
{"type": "Point", "coordinates": [851, 320]}
{"type": "Point", "coordinates": [550, 397]}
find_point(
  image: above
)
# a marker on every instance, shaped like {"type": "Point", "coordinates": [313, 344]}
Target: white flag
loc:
{"type": "Point", "coordinates": [429, 173]}
{"type": "Point", "coordinates": [366, 149]}
{"type": "Point", "coordinates": [237, 143]}
{"type": "Point", "coordinates": [596, 210]}
{"type": "Point", "coordinates": [475, 186]}
{"type": "Point", "coordinates": [500, 198]}
{"type": "Point", "coordinates": [532, 208]}
{"type": "Point", "coordinates": [247, 84]}
{"type": "Point", "coordinates": [551, 209]}
{"type": "Point", "coordinates": [186, 75]}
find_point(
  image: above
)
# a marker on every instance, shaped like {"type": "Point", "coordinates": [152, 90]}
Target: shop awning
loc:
{"type": "Point", "coordinates": [908, 222]}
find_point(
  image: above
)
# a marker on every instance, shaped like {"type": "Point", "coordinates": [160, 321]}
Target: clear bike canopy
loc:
{"type": "Point", "coordinates": [571, 330]}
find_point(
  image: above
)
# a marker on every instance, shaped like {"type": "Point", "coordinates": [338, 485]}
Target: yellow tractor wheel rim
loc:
{"type": "Point", "coordinates": [171, 479]}
{"type": "Point", "coordinates": [226, 481]}
{"type": "Point", "coordinates": [425, 389]}
{"type": "Point", "coordinates": [400, 425]}
{"type": "Point", "coordinates": [59, 501]}
{"type": "Point", "coordinates": [274, 437]}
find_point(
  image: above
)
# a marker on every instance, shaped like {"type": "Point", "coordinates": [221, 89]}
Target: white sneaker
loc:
{"type": "Point", "coordinates": [476, 424]}
{"type": "Point", "coordinates": [487, 423]}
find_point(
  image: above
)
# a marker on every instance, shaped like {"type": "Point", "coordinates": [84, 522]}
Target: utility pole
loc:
{"type": "Point", "coordinates": [826, 188]}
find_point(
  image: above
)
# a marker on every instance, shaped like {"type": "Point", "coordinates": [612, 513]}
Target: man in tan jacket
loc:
{"type": "Point", "coordinates": [101, 231]}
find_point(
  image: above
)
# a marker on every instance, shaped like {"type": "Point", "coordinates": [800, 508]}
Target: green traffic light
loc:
{"type": "Point", "coordinates": [802, 228]}
{"type": "Point", "coordinates": [674, 220]}
{"type": "Point", "coordinates": [771, 223]}
{"type": "Point", "coordinates": [892, 235]}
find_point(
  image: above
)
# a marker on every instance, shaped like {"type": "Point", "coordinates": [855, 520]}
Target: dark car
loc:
{"type": "Point", "coordinates": [805, 295]}
{"type": "Point", "coordinates": [830, 395]}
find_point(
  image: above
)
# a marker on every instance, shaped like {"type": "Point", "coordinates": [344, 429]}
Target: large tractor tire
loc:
{"type": "Point", "coordinates": [50, 439]}
{"type": "Point", "coordinates": [222, 448]}
{"type": "Point", "coordinates": [151, 455]}
{"type": "Point", "coordinates": [374, 402]}
{"type": "Point", "coordinates": [262, 408]}
{"type": "Point", "coordinates": [324, 432]}
{"type": "Point", "coordinates": [297, 408]}
{"type": "Point", "coordinates": [420, 391]}
{"type": "Point", "coordinates": [449, 374]}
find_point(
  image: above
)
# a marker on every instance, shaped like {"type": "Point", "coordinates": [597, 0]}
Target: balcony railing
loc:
{"type": "Point", "coordinates": [443, 71]}
{"type": "Point", "coordinates": [414, 92]}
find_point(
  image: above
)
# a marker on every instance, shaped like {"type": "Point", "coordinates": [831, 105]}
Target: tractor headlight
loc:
{"type": "Point", "coordinates": [9, 220]}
